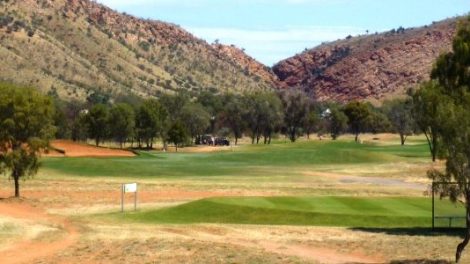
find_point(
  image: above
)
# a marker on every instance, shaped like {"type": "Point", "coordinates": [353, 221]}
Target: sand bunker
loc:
{"type": "Point", "coordinates": [74, 149]}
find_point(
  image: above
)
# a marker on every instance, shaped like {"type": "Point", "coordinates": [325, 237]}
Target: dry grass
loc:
{"type": "Point", "coordinates": [105, 241]}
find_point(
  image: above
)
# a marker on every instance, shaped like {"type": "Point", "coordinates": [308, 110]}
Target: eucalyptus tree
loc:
{"type": "Point", "coordinates": [196, 119]}
{"type": "Point", "coordinates": [233, 115]}
{"type": "Point", "coordinates": [295, 105]}
{"type": "Point", "coordinates": [26, 126]}
{"type": "Point", "coordinates": [358, 114]}
{"type": "Point", "coordinates": [452, 96]}
{"type": "Point", "coordinates": [96, 121]}
{"type": "Point", "coordinates": [121, 122]}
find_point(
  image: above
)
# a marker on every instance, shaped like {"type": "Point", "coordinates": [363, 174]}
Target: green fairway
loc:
{"type": "Point", "coordinates": [315, 211]}
{"type": "Point", "coordinates": [248, 160]}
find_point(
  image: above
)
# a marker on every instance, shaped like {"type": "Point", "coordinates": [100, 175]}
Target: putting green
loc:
{"type": "Point", "coordinates": [315, 211]}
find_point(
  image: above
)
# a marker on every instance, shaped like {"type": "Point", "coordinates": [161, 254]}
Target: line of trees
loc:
{"type": "Point", "coordinates": [179, 119]}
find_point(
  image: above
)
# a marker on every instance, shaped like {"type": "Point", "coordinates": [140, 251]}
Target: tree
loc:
{"type": "Point", "coordinates": [254, 114]}
{"type": "Point", "coordinates": [196, 119]}
{"type": "Point", "coordinates": [377, 122]}
{"type": "Point", "coordinates": [174, 104]}
{"type": "Point", "coordinates": [271, 116]}
{"type": "Point", "coordinates": [233, 115]}
{"type": "Point", "coordinates": [338, 123]}
{"type": "Point", "coordinates": [358, 115]}
{"type": "Point", "coordinates": [213, 103]}
{"type": "Point", "coordinates": [97, 123]}
{"type": "Point", "coordinates": [26, 126]}
{"type": "Point", "coordinates": [121, 122]}
{"type": "Point", "coordinates": [427, 113]}
{"type": "Point", "coordinates": [151, 122]}
{"type": "Point", "coordinates": [79, 127]}
{"type": "Point", "coordinates": [311, 122]}
{"type": "Point", "coordinates": [295, 104]}
{"type": "Point", "coordinates": [177, 134]}
{"type": "Point", "coordinates": [452, 88]}
{"type": "Point", "coordinates": [399, 113]}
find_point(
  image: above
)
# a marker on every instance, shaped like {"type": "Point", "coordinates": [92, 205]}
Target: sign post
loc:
{"type": "Point", "coordinates": [129, 188]}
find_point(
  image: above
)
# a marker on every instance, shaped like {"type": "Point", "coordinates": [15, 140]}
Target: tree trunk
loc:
{"type": "Point", "coordinates": [97, 142]}
{"type": "Point", "coordinates": [357, 138]}
{"type": "Point", "coordinates": [17, 186]}
{"type": "Point", "coordinates": [292, 134]}
{"type": "Point", "coordinates": [402, 139]}
{"type": "Point", "coordinates": [236, 140]}
{"type": "Point", "coordinates": [165, 146]}
{"type": "Point", "coordinates": [434, 148]}
{"type": "Point", "coordinates": [176, 146]}
{"type": "Point", "coordinates": [461, 246]}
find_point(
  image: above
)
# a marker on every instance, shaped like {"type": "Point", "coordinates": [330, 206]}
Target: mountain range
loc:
{"type": "Point", "coordinates": [74, 48]}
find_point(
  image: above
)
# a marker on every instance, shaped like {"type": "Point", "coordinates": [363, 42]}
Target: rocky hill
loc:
{"type": "Point", "coordinates": [76, 47]}
{"type": "Point", "coordinates": [372, 67]}
{"type": "Point", "coordinates": [249, 64]}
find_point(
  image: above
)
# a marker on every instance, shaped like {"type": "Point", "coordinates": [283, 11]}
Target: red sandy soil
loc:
{"type": "Point", "coordinates": [73, 149]}
{"type": "Point", "coordinates": [26, 251]}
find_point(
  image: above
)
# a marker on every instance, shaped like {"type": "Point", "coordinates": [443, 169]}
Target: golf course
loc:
{"type": "Point", "coordinates": [307, 202]}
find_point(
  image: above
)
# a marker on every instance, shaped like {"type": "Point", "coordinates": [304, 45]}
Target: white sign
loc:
{"type": "Point", "coordinates": [130, 188]}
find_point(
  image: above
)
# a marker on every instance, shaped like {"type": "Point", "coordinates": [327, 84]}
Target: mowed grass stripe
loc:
{"type": "Point", "coordinates": [312, 211]}
{"type": "Point", "coordinates": [246, 160]}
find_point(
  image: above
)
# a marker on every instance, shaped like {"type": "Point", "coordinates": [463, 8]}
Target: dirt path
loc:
{"type": "Point", "coordinates": [305, 252]}
{"type": "Point", "coordinates": [321, 255]}
{"type": "Point", "coordinates": [29, 250]}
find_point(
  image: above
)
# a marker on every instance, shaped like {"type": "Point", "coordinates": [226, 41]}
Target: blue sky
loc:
{"type": "Point", "coordinates": [271, 30]}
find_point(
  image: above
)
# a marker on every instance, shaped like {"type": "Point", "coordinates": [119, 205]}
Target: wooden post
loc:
{"type": "Point", "coordinates": [135, 201]}
{"type": "Point", "coordinates": [433, 216]}
{"type": "Point", "coordinates": [122, 198]}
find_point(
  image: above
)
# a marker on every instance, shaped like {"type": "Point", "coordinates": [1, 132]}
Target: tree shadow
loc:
{"type": "Point", "coordinates": [418, 231]}
{"type": "Point", "coordinates": [420, 261]}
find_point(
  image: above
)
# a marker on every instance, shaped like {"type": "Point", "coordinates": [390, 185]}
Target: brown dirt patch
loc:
{"type": "Point", "coordinates": [74, 149]}
{"type": "Point", "coordinates": [28, 250]}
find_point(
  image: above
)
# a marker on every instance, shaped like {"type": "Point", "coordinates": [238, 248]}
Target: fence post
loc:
{"type": "Point", "coordinates": [433, 217]}
{"type": "Point", "coordinates": [135, 200]}
{"type": "Point", "coordinates": [122, 198]}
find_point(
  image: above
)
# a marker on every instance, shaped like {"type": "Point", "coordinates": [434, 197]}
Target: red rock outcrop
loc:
{"type": "Point", "coordinates": [368, 67]}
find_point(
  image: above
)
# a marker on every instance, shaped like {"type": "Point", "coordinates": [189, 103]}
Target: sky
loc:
{"type": "Point", "coordinates": [273, 30]}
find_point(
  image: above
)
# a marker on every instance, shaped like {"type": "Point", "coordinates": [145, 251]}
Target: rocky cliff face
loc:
{"type": "Point", "coordinates": [77, 47]}
{"type": "Point", "coordinates": [371, 67]}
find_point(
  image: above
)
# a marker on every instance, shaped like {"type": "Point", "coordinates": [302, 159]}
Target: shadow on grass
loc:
{"type": "Point", "coordinates": [420, 261]}
{"type": "Point", "coordinates": [417, 231]}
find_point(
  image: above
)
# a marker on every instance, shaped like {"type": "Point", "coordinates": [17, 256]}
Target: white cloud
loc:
{"type": "Point", "coordinates": [270, 46]}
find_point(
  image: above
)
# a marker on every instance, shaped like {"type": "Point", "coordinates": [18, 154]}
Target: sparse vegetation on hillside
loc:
{"type": "Point", "coordinates": [80, 47]}
{"type": "Point", "coordinates": [372, 67]}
